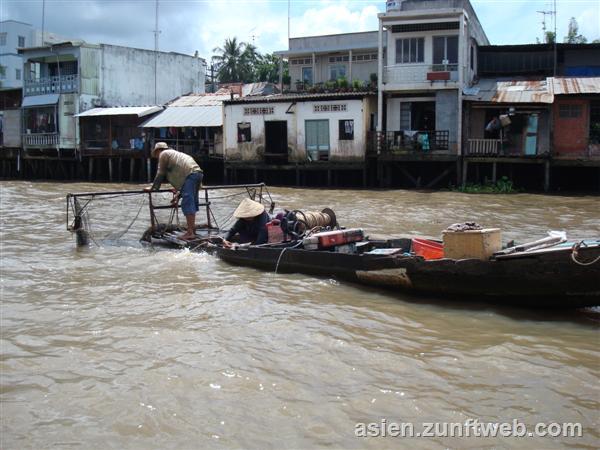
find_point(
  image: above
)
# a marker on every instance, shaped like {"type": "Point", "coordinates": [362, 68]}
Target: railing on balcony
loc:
{"type": "Point", "coordinates": [419, 73]}
{"type": "Point", "coordinates": [399, 142]}
{"type": "Point", "coordinates": [42, 139]}
{"type": "Point", "coordinates": [484, 147]}
{"type": "Point", "coordinates": [52, 85]}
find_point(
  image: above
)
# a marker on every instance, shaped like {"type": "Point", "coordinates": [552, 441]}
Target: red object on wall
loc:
{"type": "Point", "coordinates": [438, 76]}
{"type": "Point", "coordinates": [571, 129]}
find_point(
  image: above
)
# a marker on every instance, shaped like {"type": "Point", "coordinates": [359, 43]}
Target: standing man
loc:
{"type": "Point", "coordinates": [184, 175]}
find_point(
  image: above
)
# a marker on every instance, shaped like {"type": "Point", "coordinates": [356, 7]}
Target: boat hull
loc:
{"type": "Point", "coordinates": [545, 279]}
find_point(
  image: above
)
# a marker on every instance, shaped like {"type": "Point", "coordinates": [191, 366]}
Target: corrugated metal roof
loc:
{"type": "Point", "coordinates": [39, 100]}
{"type": "Point", "coordinates": [187, 116]}
{"type": "Point", "coordinates": [572, 85]}
{"type": "Point", "coordinates": [301, 96]}
{"type": "Point", "coordinates": [139, 111]}
{"type": "Point", "coordinates": [201, 100]}
{"type": "Point", "coordinates": [515, 91]}
{"type": "Point", "coordinates": [530, 91]}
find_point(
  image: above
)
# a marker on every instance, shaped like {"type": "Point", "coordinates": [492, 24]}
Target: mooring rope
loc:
{"type": "Point", "coordinates": [575, 254]}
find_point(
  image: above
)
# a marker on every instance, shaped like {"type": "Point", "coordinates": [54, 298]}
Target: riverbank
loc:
{"type": "Point", "coordinates": [525, 174]}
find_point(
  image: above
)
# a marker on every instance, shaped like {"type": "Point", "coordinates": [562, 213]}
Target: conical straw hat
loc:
{"type": "Point", "coordinates": [248, 208]}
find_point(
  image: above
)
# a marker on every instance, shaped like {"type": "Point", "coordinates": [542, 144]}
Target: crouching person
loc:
{"type": "Point", "coordinates": [185, 176]}
{"type": "Point", "coordinates": [251, 226]}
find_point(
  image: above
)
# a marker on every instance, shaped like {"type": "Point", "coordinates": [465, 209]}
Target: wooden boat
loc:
{"type": "Point", "coordinates": [550, 275]}
{"type": "Point", "coordinates": [543, 278]}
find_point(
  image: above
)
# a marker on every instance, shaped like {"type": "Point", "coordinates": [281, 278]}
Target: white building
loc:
{"type": "Point", "coordinates": [15, 35]}
{"type": "Point", "coordinates": [298, 128]}
{"type": "Point", "coordinates": [430, 49]}
{"type": "Point", "coordinates": [65, 79]}
{"type": "Point", "coordinates": [314, 60]}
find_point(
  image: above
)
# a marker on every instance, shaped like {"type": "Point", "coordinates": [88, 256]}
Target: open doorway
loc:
{"type": "Point", "coordinates": [276, 148]}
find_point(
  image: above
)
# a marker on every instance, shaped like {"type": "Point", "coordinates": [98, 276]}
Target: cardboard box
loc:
{"type": "Point", "coordinates": [478, 244]}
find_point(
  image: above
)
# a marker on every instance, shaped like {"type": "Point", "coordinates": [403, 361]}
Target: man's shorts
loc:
{"type": "Point", "coordinates": [189, 193]}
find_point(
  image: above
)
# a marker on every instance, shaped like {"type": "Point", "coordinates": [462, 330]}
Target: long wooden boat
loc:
{"type": "Point", "coordinates": [560, 275]}
{"type": "Point", "coordinates": [548, 278]}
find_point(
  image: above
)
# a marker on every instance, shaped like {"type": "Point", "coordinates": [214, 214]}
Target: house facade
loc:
{"type": "Point", "coordinates": [430, 54]}
{"type": "Point", "coordinates": [316, 60]}
{"type": "Point", "coordinates": [65, 79]}
{"type": "Point", "coordinates": [298, 128]}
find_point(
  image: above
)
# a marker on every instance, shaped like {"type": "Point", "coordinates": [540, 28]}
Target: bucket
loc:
{"type": "Point", "coordinates": [274, 231]}
{"type": "Point", "coordinates": [427, 248]}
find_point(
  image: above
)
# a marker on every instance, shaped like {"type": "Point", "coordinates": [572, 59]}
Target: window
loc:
{"type": "Point", "coordinates": [17, 74]}
{"type": "Point", "coordinates": [409, 50]}
{"type": "Point", "coordinates": [307, 75]}
{"type": "Point", "coordinates": [472, 59]}
{"type": "Point", "coordinates": [244, 134]}
{"type": "Point", "coordinates": [21, 41]}
{"type": "Point", "coordinates": [595, 122]}
{"type": "Point", "coordinates": [346, 130]}
{"type": "Point", "coordinates": [405, 108]}
{"type": "Point", "coordinates": [317, 139]}
{"type": "Point", "coordinates": [445, 50]}
{"type": "Point", "coordinates": [39, 120]}
{"type": "Point", "coordinates": [3, 38]}
{"type": "Point", "coordinates": [2, 73]}
{"type": "Point", "coordinates": [569, 111]}
{"type": "Point", "coordinates": [337, 71]}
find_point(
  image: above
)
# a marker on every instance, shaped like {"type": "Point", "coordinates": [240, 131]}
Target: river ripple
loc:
{"type": "Point", "coordinates": [120, 346]}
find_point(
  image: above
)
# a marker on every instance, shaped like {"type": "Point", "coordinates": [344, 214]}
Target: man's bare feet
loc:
{"type": "Point", "coordinates": [187, 237]}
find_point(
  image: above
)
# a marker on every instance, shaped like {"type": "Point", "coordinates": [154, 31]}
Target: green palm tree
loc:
{"type": "Point", "coordinates": [234, 61]}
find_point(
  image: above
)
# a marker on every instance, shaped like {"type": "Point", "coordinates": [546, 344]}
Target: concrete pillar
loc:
{"type": "Point", "coordinates": [494, 172]}
{"type": "Point", "coordinates": [148, 168]}
{"type": "Point", "coordinates": [131, 168]}
{"type": "Point", "coordinates": [350, 67]}
{"type": "Point", "coordinates": [464, 172]}
{"type": "Point", "coordinates": [379, 84]}
{"type": "Point", "coordinates": [110, 170]}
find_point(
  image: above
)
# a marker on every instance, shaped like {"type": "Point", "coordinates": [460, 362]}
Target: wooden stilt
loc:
{"type": "Point", "coordinates": [131, 168]}
{"type": "Point", "coordinates": [465, 171]}
{"type": "Point", "coordinates": [437, 179]}
{"type": "Point", "coordinates": [110, 170]}
{"type": "Point", "coordinates": [120, 169]}
{"type": "Point", "coordinates": [90, 168]}
{"type": "Point", "coordinates": [546, 176]}
{"type": "Point", "coordinates": [494, 164]}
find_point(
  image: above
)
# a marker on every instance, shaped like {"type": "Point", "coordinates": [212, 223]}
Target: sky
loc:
{"type": "Point", "coordinates": [187, 26]}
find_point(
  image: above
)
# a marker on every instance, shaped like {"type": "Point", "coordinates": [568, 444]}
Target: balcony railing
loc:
{"type": "Point", "coordinates": [484, 147]}
{"type": "Point", "coordinates": [52, 85]}
{"type": "Point", "coordinates": [41, 139]}
{"type": "Point", "coordinates": [409, 141]}
{"type": "Point", "coordinates": [419, 73]}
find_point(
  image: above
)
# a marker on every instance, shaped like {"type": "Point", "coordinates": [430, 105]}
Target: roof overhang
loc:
{"type": "Point", "coordinates": [187, 116]}
{"type": "Point", "coordinates": [139, 111]}
{"type": "Point", "coordinates": [40, 100]}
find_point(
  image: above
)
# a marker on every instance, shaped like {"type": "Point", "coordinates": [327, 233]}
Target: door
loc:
{"type": "Point", "coordinates": [276, 149]}
{"type": "Point", "coordinates": [531, 135]}
{"type": "Point", "coordinates": [317, 139]}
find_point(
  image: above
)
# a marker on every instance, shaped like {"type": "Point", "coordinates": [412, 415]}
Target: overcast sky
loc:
{"type": "Point", "coordinates": [190, 25]}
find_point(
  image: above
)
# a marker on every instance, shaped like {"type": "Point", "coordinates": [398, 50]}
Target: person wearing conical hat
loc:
{"type": "Point", "coordinates": [185, 175]}
{"type": "Point", "coordinates": [251, 226]}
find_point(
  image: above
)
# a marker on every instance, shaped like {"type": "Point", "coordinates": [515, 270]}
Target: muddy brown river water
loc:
{"type": "Point", "coordinates": [121, 346]}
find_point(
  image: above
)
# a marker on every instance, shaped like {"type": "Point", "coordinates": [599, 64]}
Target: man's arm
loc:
{"type": "Point", "coordinates": [235, 229]}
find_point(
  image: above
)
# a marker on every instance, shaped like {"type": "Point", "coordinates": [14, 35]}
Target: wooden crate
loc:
{"type": "Point", "coordinates": [478, 244]}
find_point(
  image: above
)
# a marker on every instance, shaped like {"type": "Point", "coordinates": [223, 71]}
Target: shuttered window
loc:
{"type": "Point", "coordinates": [317, 137]}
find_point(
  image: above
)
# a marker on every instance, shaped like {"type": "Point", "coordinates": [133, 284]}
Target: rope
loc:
{"type": "Point", "coordinates": [282, 252]}
{"type": "Point", "coordinates": [575, 254]}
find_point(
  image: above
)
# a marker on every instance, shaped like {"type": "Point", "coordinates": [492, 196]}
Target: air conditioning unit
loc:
{"type": "Point", "coordinates": [96, 102]}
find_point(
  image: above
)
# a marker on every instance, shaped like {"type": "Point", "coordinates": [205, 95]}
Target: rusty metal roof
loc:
{"type": "Point", "coordinates": [530, 91]}
{"type": "Point", "coordinates": [514, 91]}
{"type": "Point", "coordinates": [572, 85]}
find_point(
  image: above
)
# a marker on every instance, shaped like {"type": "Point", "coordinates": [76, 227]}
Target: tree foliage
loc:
{"type": "Point", "coordinates": [572, 36]}
{"type": "Point", "coordinates": [240, 61]}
